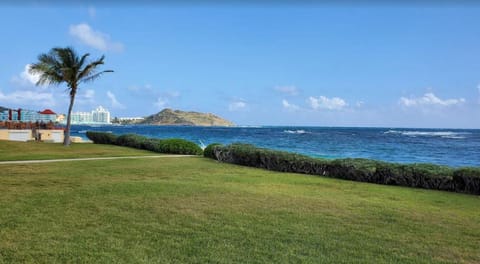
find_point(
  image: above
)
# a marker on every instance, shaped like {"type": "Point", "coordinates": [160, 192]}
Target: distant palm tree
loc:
{"type": "Point", "coordinates": [64, 65]}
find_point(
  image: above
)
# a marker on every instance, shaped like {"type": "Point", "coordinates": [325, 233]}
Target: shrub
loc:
{"type": "Point", "coordinates": [131, 140]}
{"type": "Point", "coordinates": [178, 146]}
{"type": "Point", "coordinates": [169, 146]}
{"type": "Point", "coordinates": [101, 137]}
{"type": "Point", "coordinates": [208, 152]}
{"type": "Point", "coordinates": [249, 155]}
{"type": "Point", "coordinates": [426, 176]}
{"type": "Point", "coordinates": [151, 144]}
{"type": "Point", "coordinates": [467, 180]}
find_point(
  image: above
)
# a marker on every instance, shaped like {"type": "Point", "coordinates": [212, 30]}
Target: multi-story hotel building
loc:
{"type": "Point", "coordinates": [98, 116]}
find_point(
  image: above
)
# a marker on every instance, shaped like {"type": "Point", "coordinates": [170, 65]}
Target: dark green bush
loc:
{"type": "Point", "coordinates": [179, 146]}
{"type": "Point", "coordinates": [208, 152]}
{"type": "Point", "coordinates": [249, 155]}
{"type": "Point", "coordinates": [467, 180]}
{"type": "Point", "coordinates": [131, 140]}
{"type": "Point", "coordinates": [169, 146]}
{"type": "Point", "coordinates": [426, 176]}
{"type": "Point", "coordinates": [151, 144]}
{"type": "Point", "coordinates": [101, 137]}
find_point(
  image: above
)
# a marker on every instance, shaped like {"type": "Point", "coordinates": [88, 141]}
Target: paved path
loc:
{"type": "Point", "coordinates": [97, 158]}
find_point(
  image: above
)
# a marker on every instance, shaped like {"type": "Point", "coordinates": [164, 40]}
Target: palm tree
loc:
{"type": "Point", "coordinates": [64, 65]}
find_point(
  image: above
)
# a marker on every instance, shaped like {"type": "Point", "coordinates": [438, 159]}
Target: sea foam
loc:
{"type": "Point", "coordinates": [300, 131]}
{"type": "Point", "coordinates": [442, 134]}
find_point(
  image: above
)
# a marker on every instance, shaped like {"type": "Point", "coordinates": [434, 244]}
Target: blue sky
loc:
{"type": "Point", "coordinates": [315, 65]}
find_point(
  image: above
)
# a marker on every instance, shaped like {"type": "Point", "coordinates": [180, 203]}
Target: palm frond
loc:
{"type": "Point", "coordinates": [82, 60]}
{"type": "Point", "coordinates": [90, 68]}
{"type": "Point", "coordinates": [47, 73]}
{"type": "Point", "coordinates": [94, 76]}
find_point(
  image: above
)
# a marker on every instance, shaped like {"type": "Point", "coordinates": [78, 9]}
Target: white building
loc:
{"type": "Point", "coordinates": [98, 116]}
{"type": "Point", "coordinates": [82, 118]}
{"type": "Point", "coordinates": [101, 115]}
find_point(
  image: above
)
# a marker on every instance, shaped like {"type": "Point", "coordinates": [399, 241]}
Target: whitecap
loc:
{"type": "Point", "coordinates": [300, 131]}
{"type": "Point", "coordinates": [442, 134]}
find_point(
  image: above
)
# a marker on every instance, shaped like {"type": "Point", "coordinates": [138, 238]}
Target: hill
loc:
{"type": "Point", "coordinates": [176, 117]}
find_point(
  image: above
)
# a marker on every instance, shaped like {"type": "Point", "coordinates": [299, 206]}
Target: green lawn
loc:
{"type": "Point", "coordinates": [10, 150]}
{"type": "Point", "coordinates": [197, 210]}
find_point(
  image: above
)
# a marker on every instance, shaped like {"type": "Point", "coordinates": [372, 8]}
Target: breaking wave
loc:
{"type": "Point", "coordinates": [442, 134]}
{"type": "Point", "coordinates": [299, 131]}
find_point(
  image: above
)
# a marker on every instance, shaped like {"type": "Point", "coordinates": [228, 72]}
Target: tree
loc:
{"type": "Point", "coordinates": [63, 65]}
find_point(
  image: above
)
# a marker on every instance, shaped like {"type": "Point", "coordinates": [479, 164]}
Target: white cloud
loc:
{"type": "Point", "coordinates": [323, 102]}
{"type": "Point", "coordinates": [114, 102]}
{"type": "Point", "coordinates": [290, 89]}
{"type": "Point", "coordinates": [429, 99]}
{"type": "Point", "coordinates": [25, 78]}
{"type": "Point", "coordinates": [96, 39]}
{"type": "Point", "coordinates": [359, 103]}
{"type": "Point", "coordinates": [87, 97]}
{"type": "Point", "coordinates": [161, 102]}
{"type": "Point", "coordinates": [19, 98]}
{"type": "Point", "coordinates": [237, 105]}
{"type": "Point", "coordinates": [89, 94]}
{"type": "Point", "coordinates": [289, 106]}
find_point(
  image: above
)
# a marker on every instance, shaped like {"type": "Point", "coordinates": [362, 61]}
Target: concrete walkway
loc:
{"type": "Point", "coordinates": [97, 158]}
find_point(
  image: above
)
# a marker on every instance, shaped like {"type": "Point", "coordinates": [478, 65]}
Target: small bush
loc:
{"type": "Point", "coordinates": [131, 140]}
{"type": "Point", "coordinates": [178, 146]}
{"type": "Point", "coordinates": [208, 152]}
{"type": "Point", "coordinates": [101, 137]}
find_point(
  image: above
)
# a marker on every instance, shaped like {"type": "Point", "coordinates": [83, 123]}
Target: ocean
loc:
{"type": "Point", "coordinates": [451, 147]}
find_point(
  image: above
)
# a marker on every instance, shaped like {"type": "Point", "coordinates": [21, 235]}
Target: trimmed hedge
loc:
{"type": "Point", "coordinates": [428, 176]}
{"type": "Point", "coordinates": [101, 137]}
{"type": "Point", "coordinates": [131, 140]}
{"type": "Point", "coordinates": [167, 146]}
{"type": "Point", "coordinates": [208, 152]}
{"type": "Point", "coordinates": [179, 146]}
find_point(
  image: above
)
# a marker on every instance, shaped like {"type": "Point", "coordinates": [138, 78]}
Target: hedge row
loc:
{"type": "Point", "coordinates": [169, 146]}
{"type": "Point", "coordinates": [428, 176]}
{"type": "Point", "coordinates": [102, 137]}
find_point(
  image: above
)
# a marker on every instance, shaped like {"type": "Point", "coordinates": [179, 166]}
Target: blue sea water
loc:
{"type": "Point", "coordinates": [452, 147]}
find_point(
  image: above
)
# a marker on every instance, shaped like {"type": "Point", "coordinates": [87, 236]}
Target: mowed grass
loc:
{"type": "Point", "coordinates": [10, 150]}
{"type": "Point", "coordinates": [184, 210]}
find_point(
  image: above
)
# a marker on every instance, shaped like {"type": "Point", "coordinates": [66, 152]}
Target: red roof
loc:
{"type": "Point", "coordinates": [47, 112]}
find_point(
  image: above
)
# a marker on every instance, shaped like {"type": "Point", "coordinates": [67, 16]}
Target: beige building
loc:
{"type": "Point", "coordinates": [46, 135]}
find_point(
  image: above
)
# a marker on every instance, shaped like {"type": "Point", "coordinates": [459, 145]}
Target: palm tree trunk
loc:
{"type": "Point", "coordinates": [66, 135]}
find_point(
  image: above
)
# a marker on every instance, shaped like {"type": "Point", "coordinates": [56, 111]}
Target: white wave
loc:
{"type": "Point", "coordinates": [202, 145]}
{"type": "Point", "coordinates": [454, 137]}
{"type": "Point", "coordinates": [248, 126]}
{"type": "Point", "coordinates": [300, 131]}
{"type": "Point", "coordinates": [82, 131]}
{"type": "Point", "coordinates": [442, 134]}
